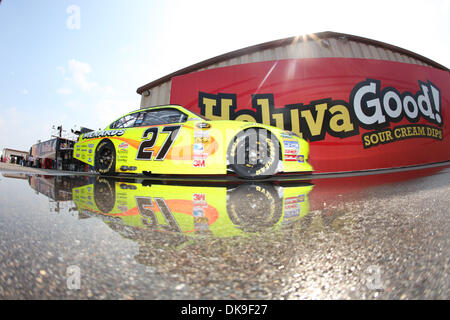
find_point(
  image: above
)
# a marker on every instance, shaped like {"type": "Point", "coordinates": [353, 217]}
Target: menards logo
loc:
{"type": "Point", "coordinates": [368, 107]}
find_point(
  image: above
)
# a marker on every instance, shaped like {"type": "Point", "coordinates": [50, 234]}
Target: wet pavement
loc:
{"type": "Point", "coordinates": [377, 236]}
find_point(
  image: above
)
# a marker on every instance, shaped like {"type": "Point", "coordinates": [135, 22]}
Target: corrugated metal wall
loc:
{"type": "Point", "coordinates": [158, 96]}
{"type": "Point", "coordinates": [320, 48]}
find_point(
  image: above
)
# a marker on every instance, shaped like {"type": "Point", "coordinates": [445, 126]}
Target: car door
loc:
{"type": "Point", "coordinates": [164, 140]}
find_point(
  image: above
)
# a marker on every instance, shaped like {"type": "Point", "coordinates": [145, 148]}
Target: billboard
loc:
{"type": "Point", "coordinates": [357, 114]}
{"type": "Point", "coordinates": [46, 149]}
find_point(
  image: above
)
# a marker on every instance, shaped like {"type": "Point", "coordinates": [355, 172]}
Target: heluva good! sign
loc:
{"type": "Point", "coordinates": [357, 114]}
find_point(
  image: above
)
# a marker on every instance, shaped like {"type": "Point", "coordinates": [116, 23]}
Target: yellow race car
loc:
{"type": "Point", "coordinates": [136, 209]}
{"type": "Point", "coordinates": [173, 140]}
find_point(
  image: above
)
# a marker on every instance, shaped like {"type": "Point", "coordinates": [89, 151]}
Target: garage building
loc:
{"type": "Point", "coordinates": [320, 45]}
{"type": "Point", "coordinates": [361, 104]}
{"type": "Point", "coordinates": [13, 156]}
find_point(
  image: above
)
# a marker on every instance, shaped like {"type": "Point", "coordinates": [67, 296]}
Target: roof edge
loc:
{"type": "Point", "coordinates": [282, 42]}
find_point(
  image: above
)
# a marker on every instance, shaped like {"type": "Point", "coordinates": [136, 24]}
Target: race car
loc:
{"type": "Point", "coordinates": [137, 209]}
{"type": "Point", "coordinates": [170, 139]}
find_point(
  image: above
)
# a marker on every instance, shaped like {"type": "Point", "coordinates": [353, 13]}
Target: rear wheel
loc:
{"type": "Point", "coordinates": [105, 157]}
{"type": "Point", "coordinates": [254, 154]}
{"type": "Point", "coordinates": [254, 207]}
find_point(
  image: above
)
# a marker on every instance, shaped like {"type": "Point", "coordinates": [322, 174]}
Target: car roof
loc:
{"type": "Point", "coordinates": [176, 106]}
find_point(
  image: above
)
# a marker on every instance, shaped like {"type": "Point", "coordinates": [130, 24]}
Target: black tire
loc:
{"type": "Point", "coordinates": [104, 195]}
{"type": "Point", "coordinates": [254, 207]}
{"type": "Point", "coordinates": [254, 154]}
{"type": "Point", "coordinates": [105, 157]}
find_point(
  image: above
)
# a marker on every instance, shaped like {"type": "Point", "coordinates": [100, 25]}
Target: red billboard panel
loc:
{"type": "Point", "coordinates": [357, 114]}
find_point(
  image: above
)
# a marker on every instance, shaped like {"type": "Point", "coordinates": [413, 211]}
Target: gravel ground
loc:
{"type": "Point", "coordinates": [369, 238]}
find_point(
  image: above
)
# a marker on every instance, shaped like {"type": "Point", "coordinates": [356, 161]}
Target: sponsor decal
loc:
{"type": "Point", "coordinates": [197, 163]}
{"type": "Point", "coordinates": [287, 135]}
{"type": "Point", "coordinates": [199, 153]}
{"type": "Point", "coordinates": [198, 147]}
{"type": "Point", "coordinates": [198, 212]}
{"type": "Point", "coordinates": [103, 133]}
{"type": "Point", "coordinates": [290, 157]}
{"type": "Point", "coordinates": [201, 136]}
{"type": "Point", "coordinates": [370, 107]}
{"type": "Point", "coordinates": [89, 159]}
{"type": "Point", "coordinates": [292, 207]}
{"type": "Point", "coordinates": [201, 223]}
{"type": "Point", "coordinates": [300, 158]}
{"type": "Point", "coordinates": [291, 147]}
{"type": "Point", "coordinates": [199, 202]}
{"type": "Point", "coordinates": [123, 150]}
{"type": "Point", "coordinates": [200, 156]}
{"type": "Point", "coordinates": [202, 125]}
{"type": "Point", "coordinates": [91, 145]}
{"type": "Point", "coordinates": [199, 198]}
{"type": "Point", "coordinates": [201, 139]}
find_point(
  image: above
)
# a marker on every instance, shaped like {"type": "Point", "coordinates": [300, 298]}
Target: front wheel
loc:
{"type": "Point", "coordinates": [105, 157]}
{"type": "Point", "coordinates": [254, 154]}
{"type": "Point", "coordinates": [104, 195]}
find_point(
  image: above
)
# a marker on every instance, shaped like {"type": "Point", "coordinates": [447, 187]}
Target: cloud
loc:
{"type": "Point", "coordinates": [62, 70]}
{"type": "Point", "coordinates": [64, 91]}
{"type": "Point", "coordinates": [109, 109]}
{"type": "Point", "coordinates": [84, 95]}
{"type": "Point", "coordinates": [79, 72]}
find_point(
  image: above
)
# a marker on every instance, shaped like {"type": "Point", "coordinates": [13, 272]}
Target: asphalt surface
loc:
{"type": "Point", "coordinates": [379, 236]}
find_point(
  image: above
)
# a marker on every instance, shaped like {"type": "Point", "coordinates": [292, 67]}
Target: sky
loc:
{"type": "Point", "coordinates": [79, 62]}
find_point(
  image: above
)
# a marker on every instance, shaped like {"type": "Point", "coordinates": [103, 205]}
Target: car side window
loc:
{"type": "Point", "coordinates": [161, 116]}
{"type": "Point", "coordinates": [126, 121]}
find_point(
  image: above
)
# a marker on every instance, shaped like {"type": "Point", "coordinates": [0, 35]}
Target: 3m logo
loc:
{"type": "Point", "coordinates": [199, 197]}
{"type": "Point", "coordinates": [199, 163]}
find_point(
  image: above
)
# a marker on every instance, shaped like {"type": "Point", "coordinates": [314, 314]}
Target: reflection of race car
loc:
{"type": "Point", "coordinates": [173, 140]}
{"type": "Point", "coordinates": [133, 208]}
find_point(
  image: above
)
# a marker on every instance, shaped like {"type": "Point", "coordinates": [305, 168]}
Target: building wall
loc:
{"type": "Point", "coordinates": [159, 95]}
{"type": "Point", "coordinates": [7, 153]}
{"type": "Point", "coordinates": [302, 48]}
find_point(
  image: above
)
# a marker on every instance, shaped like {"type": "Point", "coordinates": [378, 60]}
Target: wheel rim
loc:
{"type": "Point", "coordinates": [254, 207]}
{"type": "Point", "coordinates": [105, 158]}
{"type": "Point", "coordinates": [104, 195]}
{"type": "Point", "coordinates": [256, 155]}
